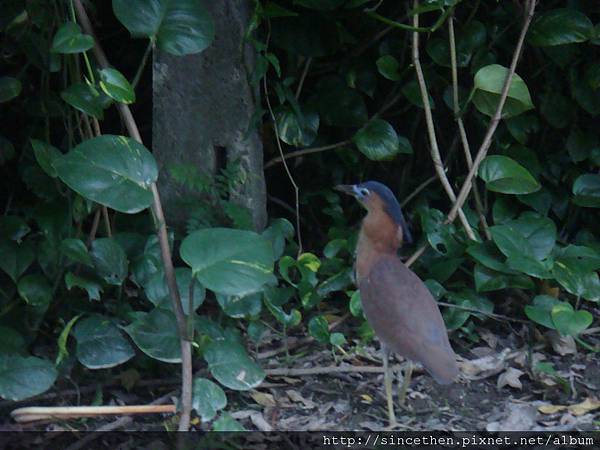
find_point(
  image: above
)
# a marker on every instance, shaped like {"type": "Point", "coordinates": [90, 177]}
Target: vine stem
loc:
{"type": "Point", "coordinates": [433, 144]}
{"type": "Point", "coordinates": [161, 230]}
{"type": "Point", "coordinates": [493, 125]}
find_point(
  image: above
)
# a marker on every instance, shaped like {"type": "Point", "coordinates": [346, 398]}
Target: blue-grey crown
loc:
{"type": "Point", "coordinates": [392, 207]}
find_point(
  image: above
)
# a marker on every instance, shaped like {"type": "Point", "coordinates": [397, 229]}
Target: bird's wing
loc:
{"type": "Point", "coordinates": [405, 316]}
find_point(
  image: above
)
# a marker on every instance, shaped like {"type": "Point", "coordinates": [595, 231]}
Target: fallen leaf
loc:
{"type": "Point", "coordinates": [589, 404]}
{"type": "Point", "coordinates": [259, 422]}
{"type": "Point", "coordinates": [516, 417]}
{"type": "Point", "coordinates": [263, 399]}
{"type": "Point", "coordinates": [510, 378]}
{"type": "Point", "coordinates": [551, 409]}
{"type": "Point", "coordinates": [295, 396]}
{"type": "Point", "coordinates": [477, 369]}
{"type": "Point", "coordinates": [490, 338]}
{"type": "Point", "coordinates": [563, 345]}
{"type": "Point", "coordinates": [367, 398]}
{"type": "Point", "coordinates": [289, 380]}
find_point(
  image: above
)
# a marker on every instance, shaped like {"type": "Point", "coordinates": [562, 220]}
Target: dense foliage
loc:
{"type": "Point", "coordinates": [82, 282]}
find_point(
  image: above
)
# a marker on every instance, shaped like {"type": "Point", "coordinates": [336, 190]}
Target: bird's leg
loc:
{"type": "Point", "coordinates": [387, 379]}
{"type": "Point", "coordinates": [405, 383]}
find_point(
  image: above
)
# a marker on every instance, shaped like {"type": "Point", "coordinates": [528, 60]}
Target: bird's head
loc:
{"type": "Point", "coordinates": [374, 196]}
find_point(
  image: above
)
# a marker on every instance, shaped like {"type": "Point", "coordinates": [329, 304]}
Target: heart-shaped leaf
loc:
{"type": "Point", "coordinates": [540, 311]}
{"type": "Point", "coordinates": [179, 28]}
{"type": "Point", "coordinates": [231, 366]}
{"type": "Point", "coordinates": [319, 329]}
{"type": "Point", "coordinates": [21, 377]}
{"type": "Point", "coordinates": [207, 398]}
{"type": "Point", "coordinates": [116, 86]}
{"type": "Point", "coordinates": [378, 141]}
{"type": "Point", "coordinates": [295, 130]}
{"type": "Point", "coordinates": [227, 261]}
{"type": "Point", "coordinates": [84, 98]}
{"type": "Point", "coordinates": [155, 333]}
{"type": "Point", "coordinates": [109, 260]}
{"type": "Point", "coordinates": [489, 81]}
{"type": "Point", "coordinates": [114, 171]}
{"type": "Point", "coordinates": [157, 290]}
{"type": "Point", "coordinates": [70, 39]}
{"type": "Point", "coordinates": [45, 154]}
{"type": "Point", "coordinates": [100, 343]}
{"type": "Point", "coordinates": [505, 175]}
{"type": "Point", "coordinates": [569, 322]}
{"type": "Point", "coordinates": [559, 27]}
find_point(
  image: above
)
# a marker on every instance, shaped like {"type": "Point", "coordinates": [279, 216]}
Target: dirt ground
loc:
{"type": "Point", "coordinates": [497, 390]}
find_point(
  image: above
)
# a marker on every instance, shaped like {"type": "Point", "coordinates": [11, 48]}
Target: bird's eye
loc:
{"type": "Point", "coordinates": [364, 192]}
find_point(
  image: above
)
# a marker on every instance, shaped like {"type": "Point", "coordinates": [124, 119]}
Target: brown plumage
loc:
{"type": "Point", "coordinates": [396, 303]}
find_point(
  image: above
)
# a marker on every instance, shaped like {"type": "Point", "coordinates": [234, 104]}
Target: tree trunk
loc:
{"type": "Point", "coordinates": [202, 109]}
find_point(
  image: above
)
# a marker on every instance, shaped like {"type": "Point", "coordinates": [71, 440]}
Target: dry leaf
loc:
{"type": "Point", "coordinates": [477, 369]}
{"type": "Point", "coordinates": [510, 378]}
{"type": "Point", "coordinates": [366, 398]}
{"type": "Point", "coordinates": [263, 399]}
{"type": "Point", "coordinates": [259, 422]}
{"type": "Point", "coordinates": [295, 396]}
{"type": "Point", "coordinates": [551, 409]}
{"type": "Point", "coordinates": [589, 404]}
{"type": "Point", "coordinates": [490, 338]}
{"type": "Point", "coordinates": [563, 345]}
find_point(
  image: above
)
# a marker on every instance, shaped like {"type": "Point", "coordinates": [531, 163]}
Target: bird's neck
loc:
{"type": "Point", "coordinates": [378, 236]}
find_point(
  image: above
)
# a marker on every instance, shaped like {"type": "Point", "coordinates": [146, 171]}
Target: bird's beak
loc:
{"type": "Point", "coordinates": [348, 189]}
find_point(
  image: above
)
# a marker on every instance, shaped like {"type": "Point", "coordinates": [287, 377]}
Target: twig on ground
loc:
{"type": "Point", "coordinates": [161, 230]}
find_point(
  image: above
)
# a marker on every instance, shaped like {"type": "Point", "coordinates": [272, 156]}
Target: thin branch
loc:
{"type": "Point", "coordinates": [287, 169]}
{"type": "Point", "coordinates": [303, 77]}
{"type": "Point", "coordinates": [487, 140]}
{"type": "Point", "coordinates": [305, 151]}
{"type": "Point", "coordinates": [499, 317]}
{"type": "Point", "coordinates": [35, 413]}
{"type": "Point", "coordinates": [414, 28]}
{"type": "Point", "coordinates": [290, 372]}
{"type": "Point", "coordinates": [433, 145]}
{"type": "Point", "coordinates": [94, 228]}
{"type": "Point", "coordinates": [418, 190]}
{"type": "Point", "coordinates": [143, 62]}
{"type": "Point", "coordinates": [461, 126]}
{"type": "Point", "coordinates": [161, 229]}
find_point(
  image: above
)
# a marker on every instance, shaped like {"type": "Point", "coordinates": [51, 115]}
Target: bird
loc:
{"type": "Point", "coordinates": [396, 303]}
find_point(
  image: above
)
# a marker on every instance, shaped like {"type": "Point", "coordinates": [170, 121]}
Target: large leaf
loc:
{"type": "Point", "coordinates": [114, 171]}
{"type": "Point", "coordinates": [157, 290]}
{"type": "Point", "coordinates": [587, 190]}
{"type": "Point", "coordinates": [227, 261]}
{"type": "Point", "coordinates": [9, 88]}
{"type": "Point", "coordinates": [247, 306]}
{"type": "Point", "coordinates": [100, 343]}
{"type": "Point", "coordinates": [569, 322]}
{"type": "Point", "coordinates": [577, 280]}
{"type": "Point", "coordinates": [91, 286]}
{"type": "Point", "coordinates": [116, 86]}
{"type": "Point", "coordinates": [21, 377]}
{"type": "Point", "coordinates": [540, 311]}
{"type": "Point", "coordinates": [488, 87]}
{"type": "Point", "coordinates": [505, 175]}
{"type": "Point", "coordinates": [296, 130]}
{"type": "Point", "coordinates": [231, 366]}
{"type": "Point", "coordinates": [15, 258]}
{"type": "Point", "coordinates": [378, 141]}
{"type": "Point", "coordinates": [70, 39]}
{"type": "Point", "coordinates": [208, 398]}
{"type": "Point", "coordinates": [109, 260]}
{"type": "Point", "coordinates": [155, 333]}
{"type": "Point", "coordinates": [180, 27]}
{"type": "Point", "coordinates": [84, 98]}
{"type": "Point", "coordinates": [560, 26]}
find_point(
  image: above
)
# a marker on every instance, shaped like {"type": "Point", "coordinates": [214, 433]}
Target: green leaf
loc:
{"type": "Point", "coordinates": [319, 329]}
{"type": "Point", "coordinates": [114, 171]}
{"type": "Point", "coordinates": [247, 307]}
{"type": "Point", "coordinates": [76, 251]}
{"type": "Point", "coordinates": [583, 257]}
{"type": "Point", "coordinates": [581, 144]}
{"type": "Point", "coordinates": [322, 5]}
{"type": "Point", "coordinates": [487, 280]}
{"type": "Point", "coordinates": [35, 290]}
{"type": "Point", "coordinates": [157, 290]}
{"type": "Point", "coordinates": [278, 232]}
{"type": "Point", "coordinates": [389, 67]}
{"type": "Point", "coordinates": [560, 26]}
{"type": "Point", "coordinates": [180, 28]}
{"type": "Point", "coordinates": [116, 86]}
{"type": "Point", "coordinates": [9, 88]}
{"type": "Point", "coordinates": [337, 339]}
{"type": "Point", "coordinates": [231, 366]}
{"type": "Point", "coordinates": [540, 311]}
{"type": "Point", "coordinates": [295, 130]}
{"type": "Point", "coordinates": [355, 304]}
{"type": "Point", "coordinates": [412, 93]}
{"type": "Point", "coordinates": [84, 98]}
{"type": "Point", "coordinates": [15, 258]}
{"type": "Point", "coordinates": [92, 287]}
{"type": "Point", "coordinates": [539, 231]}
{"type": "Point", "coordinates": [207, 398]}
{"type": "Point", "coordinates": [488, 87]}
{"type": "Point", "coordinates": [577, 280]}
{"type": "Point", "coordinates": [587, 190]}
{"type": "Point", "coordinates": [377, 140]}
{"type": "Point", "coordinates": [505, 175]}
{"type": "Point", "coordinates": [69, 39]}
{"type": "Point", "coordinates": [569, 322]}
{"type": "Point", "coordinates": [109, 260]}
{"type": "Point", "coordinates": [155, 333]}
{"type": "Point", "coordinates": [46, 154]}
{"type": "Point", "coordinates": [339, 105]}
{"type": "Point", "coordinates": [63, 352]}
{"type": "Point", "coordinates": [487, 254]}
{"type": "Point", "coordinates": [227, 261]}
{"type": "Point", "coordinates": [21, 378]}
{"type": "Point", "coordinates": [12, 342]}
{"type": "Point", "coordinates": [274, 298]}
{"type": "Point", "coordinates": [100, 343]}
{"type": "Point", "coordinates": [13, 228]}
{"type": "Point", "coordinates": [227, 423]}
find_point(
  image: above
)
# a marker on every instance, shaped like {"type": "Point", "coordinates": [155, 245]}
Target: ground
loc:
{"type": "Point", "coordinates": [498, 390]}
